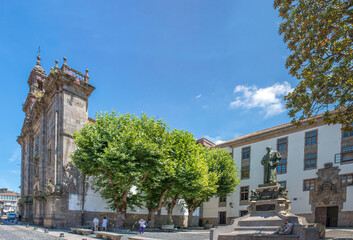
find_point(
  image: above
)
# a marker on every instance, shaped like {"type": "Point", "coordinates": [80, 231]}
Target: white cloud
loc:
{"type": "Point", "coordinates": [269, 98]}
{"type": "Point", "coordinates": [198, 96]}
{"type": "Point", "coordinates": [216, 140]}
{"type": "Point", "coordinates": [16, 155]}
{"type": "Point", "coordinates": [15, 172]}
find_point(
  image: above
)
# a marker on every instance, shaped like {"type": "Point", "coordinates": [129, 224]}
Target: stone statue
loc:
{"type": "Point", "coordinates": [270, 161]}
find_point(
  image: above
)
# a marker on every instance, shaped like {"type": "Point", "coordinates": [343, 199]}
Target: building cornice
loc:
{"type": "Point", "coordinates": [273, 132]}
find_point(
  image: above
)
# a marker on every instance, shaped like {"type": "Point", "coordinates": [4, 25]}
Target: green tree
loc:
{"type": "Point", "coordinates": [190, 169]}
{"type": "Point", "coordinates": [219, 179]}
{"type": "Point", "coordinates": [319, 34]}
{"type": "Point", "coordinates": [183, 162]}
{"type": "Point", "coordinates": [119, 153]}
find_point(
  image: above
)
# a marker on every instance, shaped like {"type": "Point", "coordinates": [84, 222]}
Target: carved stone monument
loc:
{"type": "Point", "coordinates": [268, 208]}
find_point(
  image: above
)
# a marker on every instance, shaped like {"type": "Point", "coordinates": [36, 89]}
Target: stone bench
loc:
{"type": "Point", "coordinates": [108, 235]}
{"type": "Point", "coordinates": [82, 231]}
{"type": "Point", "coordinates": [140, 238]}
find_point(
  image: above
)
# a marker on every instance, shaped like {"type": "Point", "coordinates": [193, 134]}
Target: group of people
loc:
{"type": "Point", "coordinates": [95, 224]}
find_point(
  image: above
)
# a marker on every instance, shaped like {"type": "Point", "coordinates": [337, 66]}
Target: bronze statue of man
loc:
{"type": "Point", "coordinates": [270, 162]}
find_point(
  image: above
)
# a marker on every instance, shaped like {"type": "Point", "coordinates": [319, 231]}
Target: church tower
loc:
{"type": "Point", "coordinates": [55, 107]}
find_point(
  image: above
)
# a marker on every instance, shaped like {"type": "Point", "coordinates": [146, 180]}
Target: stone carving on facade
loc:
{"type": "Point", "coordinates": [70, 177]}
{"type": "Point", "coordinates": [36, 167]}
{"type": "Point", "coordinates": [329, 191]}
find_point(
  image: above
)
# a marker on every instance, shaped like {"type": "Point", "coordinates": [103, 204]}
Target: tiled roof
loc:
{"type": "Point", "coordinates": [10, 194]}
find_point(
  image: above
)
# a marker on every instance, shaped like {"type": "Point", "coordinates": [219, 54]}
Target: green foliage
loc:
{"type": "Point", "coordinates": [319, 34]}
{"type": "Point", "coordinates": [125, 151]}
{"type": "Point", "coordinates": [120, 152]}
{"type": "Point", "coordinates": [219, 178]}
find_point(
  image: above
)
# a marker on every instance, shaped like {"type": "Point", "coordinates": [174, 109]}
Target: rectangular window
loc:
{"type": "Point", "coordinates": [243, 212]}
{"type": "Point", "coordinates": [348, 134]}
{"type": "Point", "coordinates": [245, 172]}
{"type": "Point", "coordinates": [309, 184]}
{"type": "Point", "coordinates": [222, 201]}
{"type": "Point", "coordinates": [337, 158]}
{"type": "Point", "coordinates": [282, 144]}
{"type": "Point", "coordinates": [244, 193]}
{"type": "Point", "coordinates": [283, 184]}
{"type": "Point", "coordinates": [347, 149]}
{"type": "Point", "coordinates": [245, 153]}
{"type": "Point", "coordinates": [311, 138]}
{"type": "Point", "coordinates": [347, 179]}
{"type": "Point", "coordinates": [245, 163]}
{"type": "Point", "coordinates": [347, 154]}
{"type": "Point", "coordinates": [282, 166]}
{"type": "Point", "coordinates": [310, 161]}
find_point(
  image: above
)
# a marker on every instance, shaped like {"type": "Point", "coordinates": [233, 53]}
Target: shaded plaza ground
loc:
{"type": "Point", "coordinates": [13, 231]}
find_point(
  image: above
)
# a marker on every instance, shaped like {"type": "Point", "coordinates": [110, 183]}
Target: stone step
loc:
{"type": "Point", "coordinates": [260, 222]}
{"type": "Point", "coordinates": [266, 235]}
{"type": "Point", "coordinates": [256, 228]}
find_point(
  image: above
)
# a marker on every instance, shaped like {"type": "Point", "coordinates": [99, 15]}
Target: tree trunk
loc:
{"type": "Point", "coordinates": [170, 209]}
{"type": "Point", "coordinates": [191, 210]}
{"type": "Point", "coordinates": [120, 219]}
{"type": "Point", "coordinates": [150, 220]}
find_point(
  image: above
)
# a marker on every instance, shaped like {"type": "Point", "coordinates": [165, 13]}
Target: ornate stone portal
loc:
{"type": "Point", "coordinates": [268, 209]}
{"type": "Point", "coordinates": [329, 193]}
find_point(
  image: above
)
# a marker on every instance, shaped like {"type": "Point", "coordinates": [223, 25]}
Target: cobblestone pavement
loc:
{"type": "Point", "coordinates": [15, 232]}
{"type": "Point", "coordinates": [10, 231]}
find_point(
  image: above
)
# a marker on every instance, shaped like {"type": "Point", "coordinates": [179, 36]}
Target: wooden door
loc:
{"type": "Point", "coordinates": [222, 218]}
{"type": "Point", "coordinates": [332, 216]}
{"type": "Point", "coordinates": [321, 215]}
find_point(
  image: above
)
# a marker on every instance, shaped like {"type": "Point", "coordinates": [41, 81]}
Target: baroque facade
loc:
{"type": "Point", "coordinates": [53, 192]}
{"type": "Point", "coordinates": [55, 107]}
{"type": "Point", "coordinates": [316, 168]}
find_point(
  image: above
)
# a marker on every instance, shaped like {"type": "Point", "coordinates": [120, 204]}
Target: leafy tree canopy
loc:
{"type": "Point", "coordinates": [120, 152]}
{"type": "Point", "coordinates": [319, 34]}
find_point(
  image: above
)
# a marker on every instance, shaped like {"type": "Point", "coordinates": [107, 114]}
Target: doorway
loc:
{"type": "Point", "coordinates": [327, 216]}
{"type": "Point", "coordinates": [222, 218]}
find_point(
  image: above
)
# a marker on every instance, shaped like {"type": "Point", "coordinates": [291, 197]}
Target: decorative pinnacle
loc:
{"type": "Point", "coordinates": [38, 58]}
{"type": "Point", "coordinates": [56, 64]}
{"type": "Point", "coordinates": [64, 61]}
{"type": "Point", "coordinates": [87, 72]}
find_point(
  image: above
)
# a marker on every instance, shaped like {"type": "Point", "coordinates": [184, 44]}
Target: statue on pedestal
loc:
{"type": "Point", "coordinates": [270, 162]}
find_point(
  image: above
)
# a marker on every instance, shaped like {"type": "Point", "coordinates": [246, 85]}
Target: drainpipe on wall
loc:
{"type": "Point", "coordinates": [83, 200]}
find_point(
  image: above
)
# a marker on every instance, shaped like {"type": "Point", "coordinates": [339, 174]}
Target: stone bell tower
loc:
{"type": "Point", "coordinates": [55, 107]}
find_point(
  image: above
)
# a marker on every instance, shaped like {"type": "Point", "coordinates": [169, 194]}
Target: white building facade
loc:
{"type": "Point", "coordinates": [8, 201]}
{"type": "Point", "coordinates": [316, 169]}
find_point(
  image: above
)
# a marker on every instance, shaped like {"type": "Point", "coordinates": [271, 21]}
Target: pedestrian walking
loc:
{"type": "Point", "coordinates": [142, 226]}
{"type": "Point", "coordinates": [95, 224]}
{"type": "Point", "coordinates": [104, 224]}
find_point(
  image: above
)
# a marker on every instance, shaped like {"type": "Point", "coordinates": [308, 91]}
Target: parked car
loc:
{"type": "Point", "coordinates": [11, 216]}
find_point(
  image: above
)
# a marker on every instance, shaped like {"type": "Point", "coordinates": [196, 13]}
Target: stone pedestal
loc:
{"type": "Point", "coordinates": [268, 209]}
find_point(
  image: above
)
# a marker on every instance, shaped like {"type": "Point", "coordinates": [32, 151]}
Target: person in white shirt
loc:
{"type": "Point", "coordinates": [142, 226]}
{"type": "Point", "coordinates": [95, 224]}
{"type": "Point", "coordinates": [104, 224]}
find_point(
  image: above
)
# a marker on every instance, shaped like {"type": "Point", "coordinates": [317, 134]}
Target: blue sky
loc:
{"type": "Point", "coordinates": [215, 68]}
